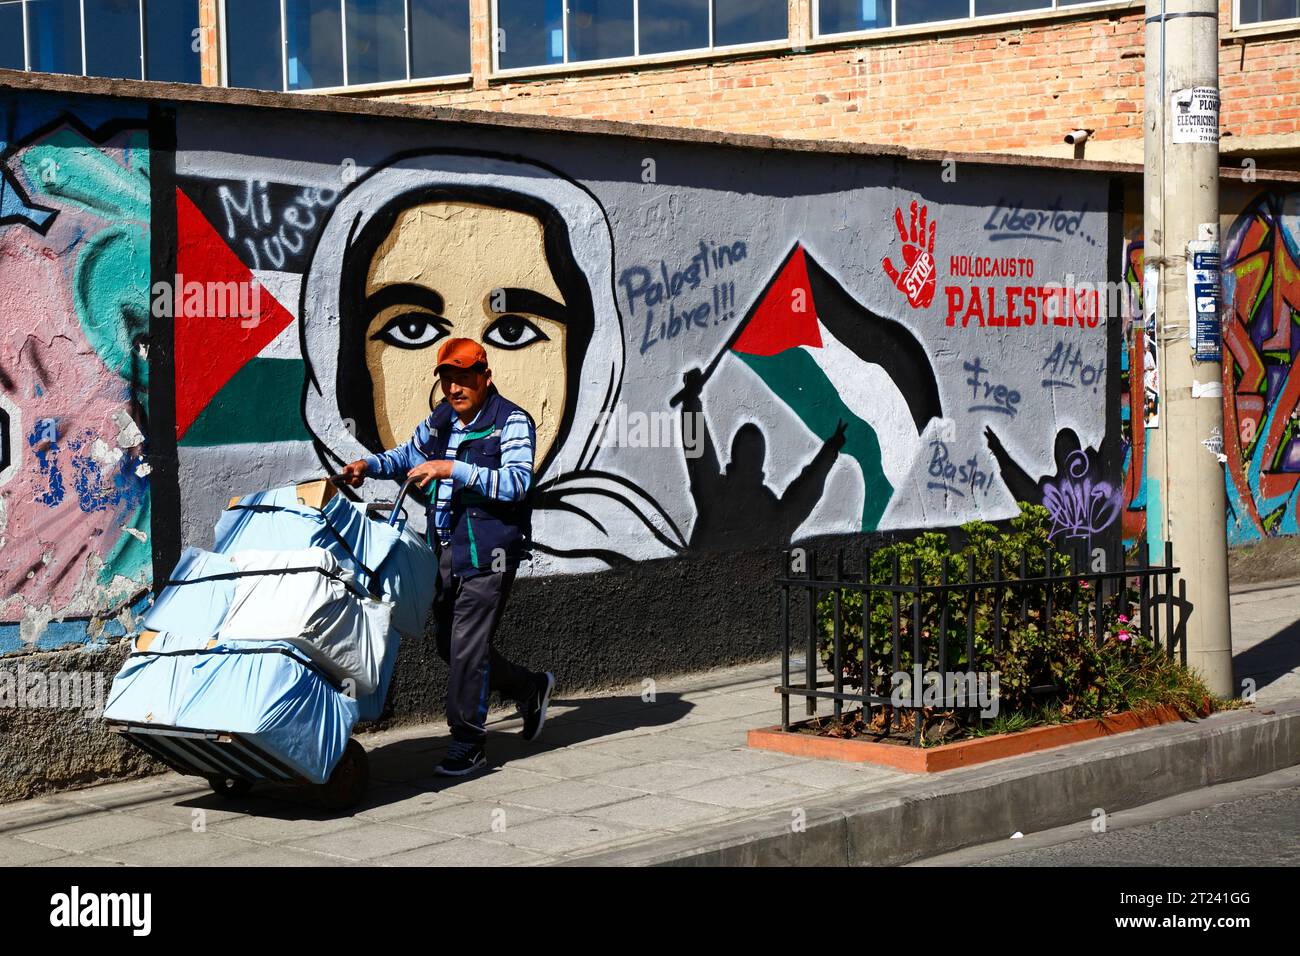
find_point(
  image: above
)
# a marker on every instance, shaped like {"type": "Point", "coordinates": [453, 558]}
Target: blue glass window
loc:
{"type": "Point", "coordinates": [668, 25]}
{"type": "Point", "coordinates": [54, 35]}
{"type": "Point", "coordinates": [847, 16]}
{"type": "Point", "coordinates": [600, 29]}
{"type": "Point", "coordinates": [930, 11]}
{"type": "Point", "coordinates": [172, 41]}
{"type": "Point", "coordinates": [313, 46]}
{"type": "Point", "coordinates": [376, 40]}
{"type": "Point", "coordinates": [253, 47]}
{"type": "Point", "coordinates": [1262, 11]}
{"type": "Point", "coordinates": [113, 38]}
{"type": "Point", "coordinates": [11, 36]}
{"type": "Point", "coordinates": [529, 33]}
{"type": "Point", "coordinates": [439, 37]}
{"type": "Point", "coordinates": [990, 8]}
{"type": "Point", "coordinates": [749, 21]}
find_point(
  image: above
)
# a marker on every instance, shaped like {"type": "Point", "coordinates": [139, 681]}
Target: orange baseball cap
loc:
{"type": "Point", "coordinates": [462, 353]}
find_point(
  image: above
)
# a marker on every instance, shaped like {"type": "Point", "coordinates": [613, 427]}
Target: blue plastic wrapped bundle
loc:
{"type": "Point", "coordinates": [397, 563]}
{"type": "Point", "coordinates": [288, 664]}
{"type": "Point", "coordinates": [198, 608]}
{"type": "Point", "coordinates": [267, 692]}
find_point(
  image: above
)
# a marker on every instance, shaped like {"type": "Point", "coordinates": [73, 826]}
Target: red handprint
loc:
{"type": "Point", "coordinates": [917, 280]}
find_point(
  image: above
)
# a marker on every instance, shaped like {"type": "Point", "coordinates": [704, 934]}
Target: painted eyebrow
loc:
{"type": "Point", "coordinates": [405, 293]}
{"type": "Point", "coordinates": [533, 302]}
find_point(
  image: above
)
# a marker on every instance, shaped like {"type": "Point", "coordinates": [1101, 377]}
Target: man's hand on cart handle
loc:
{"type": "Point", "coordinates": [353, 474]}
{"type": "Point", "coordinates": [428, 471]}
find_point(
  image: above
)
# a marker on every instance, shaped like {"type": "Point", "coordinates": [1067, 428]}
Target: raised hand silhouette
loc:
{"type": "Point", "coordinates": [836, 441]}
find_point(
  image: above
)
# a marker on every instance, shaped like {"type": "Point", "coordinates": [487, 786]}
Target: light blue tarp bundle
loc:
{"type": "Point", "coordinates": [404, 566]}
{"type": "Point", "coordinates": [292, 710]}
{"type": "Point", "coordinates": [198, 609]}
{"type": "Point", "coordinates": [267, 692]}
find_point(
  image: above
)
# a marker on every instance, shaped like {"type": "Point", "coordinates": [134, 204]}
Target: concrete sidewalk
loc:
{"type": "Point", "coordinates": [616, 778]}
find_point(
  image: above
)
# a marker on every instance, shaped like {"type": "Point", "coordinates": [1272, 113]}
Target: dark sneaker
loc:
{"type": "Point", "coordinates": [462, 759]}
{"type": "Point", "coordinates": [534, 708]}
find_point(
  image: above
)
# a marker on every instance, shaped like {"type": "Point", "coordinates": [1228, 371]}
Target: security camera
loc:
{"type": "Point", "coordinates": [1076, 136]}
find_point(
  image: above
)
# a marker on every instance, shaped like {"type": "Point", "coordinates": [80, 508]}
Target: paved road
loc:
{"type": "Point", "coordinates": [1251, 823]}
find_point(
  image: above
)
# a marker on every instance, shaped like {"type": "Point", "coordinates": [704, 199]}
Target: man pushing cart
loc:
{"type": "Point", "coordinates": [477, 447]}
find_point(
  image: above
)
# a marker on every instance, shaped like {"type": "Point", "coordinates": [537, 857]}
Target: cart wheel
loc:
{"type": "Point", "coordinates": [230, 787]}
{"type": "Point", "coordinates": [347, 784]}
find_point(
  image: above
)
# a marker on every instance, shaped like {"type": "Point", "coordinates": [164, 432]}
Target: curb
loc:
{"type": "Point", "coordinates": [963, 753]}
{"type": "Point", "coordinates": [969, 806]}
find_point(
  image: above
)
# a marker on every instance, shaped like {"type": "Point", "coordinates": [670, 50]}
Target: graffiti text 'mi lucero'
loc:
{"type": "Point", "coordinates": [653, 289]}
{"type": "Point", "coordinates": [282, 231]}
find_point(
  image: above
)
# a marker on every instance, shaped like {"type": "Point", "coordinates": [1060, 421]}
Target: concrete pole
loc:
{"type": "Point", "coordinates": [1185, 493]}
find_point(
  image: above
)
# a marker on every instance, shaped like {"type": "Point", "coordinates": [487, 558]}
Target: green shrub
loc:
{"type": "Point", "coordinates": [1054, 666]}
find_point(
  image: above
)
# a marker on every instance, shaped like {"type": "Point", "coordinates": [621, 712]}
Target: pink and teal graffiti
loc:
{"type": "Point", "coordinates": [74, 297]}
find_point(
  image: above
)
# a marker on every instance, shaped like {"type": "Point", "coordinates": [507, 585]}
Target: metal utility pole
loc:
{"type": "Point", "coordinates": [1185, 483]}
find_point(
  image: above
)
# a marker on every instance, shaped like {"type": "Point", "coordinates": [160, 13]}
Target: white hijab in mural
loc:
{"type": "Point", "coordinates": [584, 518]}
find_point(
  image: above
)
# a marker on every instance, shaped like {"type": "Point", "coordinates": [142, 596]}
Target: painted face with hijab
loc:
{"type": "Point", "coordinates": [459, 269]}
{"type": "Point", "coordinates": [517, 257]}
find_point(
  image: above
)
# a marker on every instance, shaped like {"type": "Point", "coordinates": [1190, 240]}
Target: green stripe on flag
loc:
{"type": "Point", "coordinates": [798, 380]}
{"type": "Point", "coordinates": [261, 403]}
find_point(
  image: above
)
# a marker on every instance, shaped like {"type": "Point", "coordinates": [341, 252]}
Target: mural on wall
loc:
{"type": "Point", "coordinates": [1261, 273]}
{"type": "Point", "coordinates": [726, 361]}
{"type": "Point", "coordinates": [74, 295]}
{"type": "Point", "coordinates": [1139, 388]}
{"type": "Point", "coordinates": [1261, 309]}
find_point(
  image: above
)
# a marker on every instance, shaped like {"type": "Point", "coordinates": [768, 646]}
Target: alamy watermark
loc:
{"type": "Point", "coordinates": [973, 689]}
{"type": "Point", "coordinates": [621, 428]}
{"type": "Point", "coordinates": [24, 689]}
{"type": "Point", "coordinates": [191, 299]}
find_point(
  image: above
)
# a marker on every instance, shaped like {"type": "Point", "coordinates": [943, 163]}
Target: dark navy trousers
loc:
{"type": "Point", "coordinates": [466, 614]}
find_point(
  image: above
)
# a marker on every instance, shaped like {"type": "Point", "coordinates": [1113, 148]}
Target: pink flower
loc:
{"type": "Point", "coordinates": [1123, 619]}
{"type": "Point", "coordinates": [1122, 635]}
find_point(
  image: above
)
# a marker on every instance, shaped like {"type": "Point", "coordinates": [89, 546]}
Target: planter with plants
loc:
{"type": "Point", "coordinates": [1057, 653]}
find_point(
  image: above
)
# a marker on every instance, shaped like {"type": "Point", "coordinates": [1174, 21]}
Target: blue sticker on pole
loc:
{"type": "Point", "coordinates": [1203, 300]}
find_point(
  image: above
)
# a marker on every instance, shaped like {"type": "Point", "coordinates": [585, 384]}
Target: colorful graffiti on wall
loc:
{"type": "Point", "coordinates": [74, 285]}
{"type": "Point", "coordinates": [1261, 271]}
{"type": "Point", "coordinates": [1261, 295]}
{"type": "Point", "coordinates": [840, 362]}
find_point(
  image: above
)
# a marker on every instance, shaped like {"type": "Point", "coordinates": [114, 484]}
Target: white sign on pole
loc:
{"type": "Point", "coordinates": [1196, 115]}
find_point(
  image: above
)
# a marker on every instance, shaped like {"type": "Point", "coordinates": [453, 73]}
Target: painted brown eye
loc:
{"type": "Point", "coordinates": [513, 332]}
{"type": "Point", "coordinates": [412, 330]}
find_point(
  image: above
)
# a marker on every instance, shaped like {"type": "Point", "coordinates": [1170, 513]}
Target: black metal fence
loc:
{"type": "Point", "coordinates": [921, 612]}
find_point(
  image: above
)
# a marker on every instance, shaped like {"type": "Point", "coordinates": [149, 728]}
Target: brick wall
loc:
{"type": "Point", "coordinates": [1011, 88]}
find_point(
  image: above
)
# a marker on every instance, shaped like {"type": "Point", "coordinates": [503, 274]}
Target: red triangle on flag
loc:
{"type": "Point", "coordinates": [785, 317]}
{"type": "Point", "coordinates": [212, 344]}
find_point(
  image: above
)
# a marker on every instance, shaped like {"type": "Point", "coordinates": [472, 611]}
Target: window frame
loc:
{"type": "Point", "coordinates": [1055, 6]}
{"type": "Point", "coordinates": [636, 56]}
{"type": "Point", "coordinates": [142, 54]}
{"type": "Point", "coordinates": [224, 71]}
{"type": "Point", "coordinates": [1281, 24]}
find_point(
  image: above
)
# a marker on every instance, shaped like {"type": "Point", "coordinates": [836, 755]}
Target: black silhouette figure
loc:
{"type": "Point", "coordinates": [1018, 481]}
{"type": "Point", "coordinates": [735, 509]}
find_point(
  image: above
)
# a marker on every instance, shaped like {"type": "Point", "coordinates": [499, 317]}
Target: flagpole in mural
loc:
{"type": "Point", "coordinates": [815, 347]}
{"type": "Point", "coordinates": [1185, 491]}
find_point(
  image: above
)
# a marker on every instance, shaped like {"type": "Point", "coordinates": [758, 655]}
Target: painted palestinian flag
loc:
{"type": "Point", "coordinates": [239, 370]}
{"type": "Point", "coordinates": [831, 360]}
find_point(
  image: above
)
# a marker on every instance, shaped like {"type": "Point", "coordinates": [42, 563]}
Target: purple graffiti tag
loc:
{"type": "Point", "coordinates": [1079, 506]}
